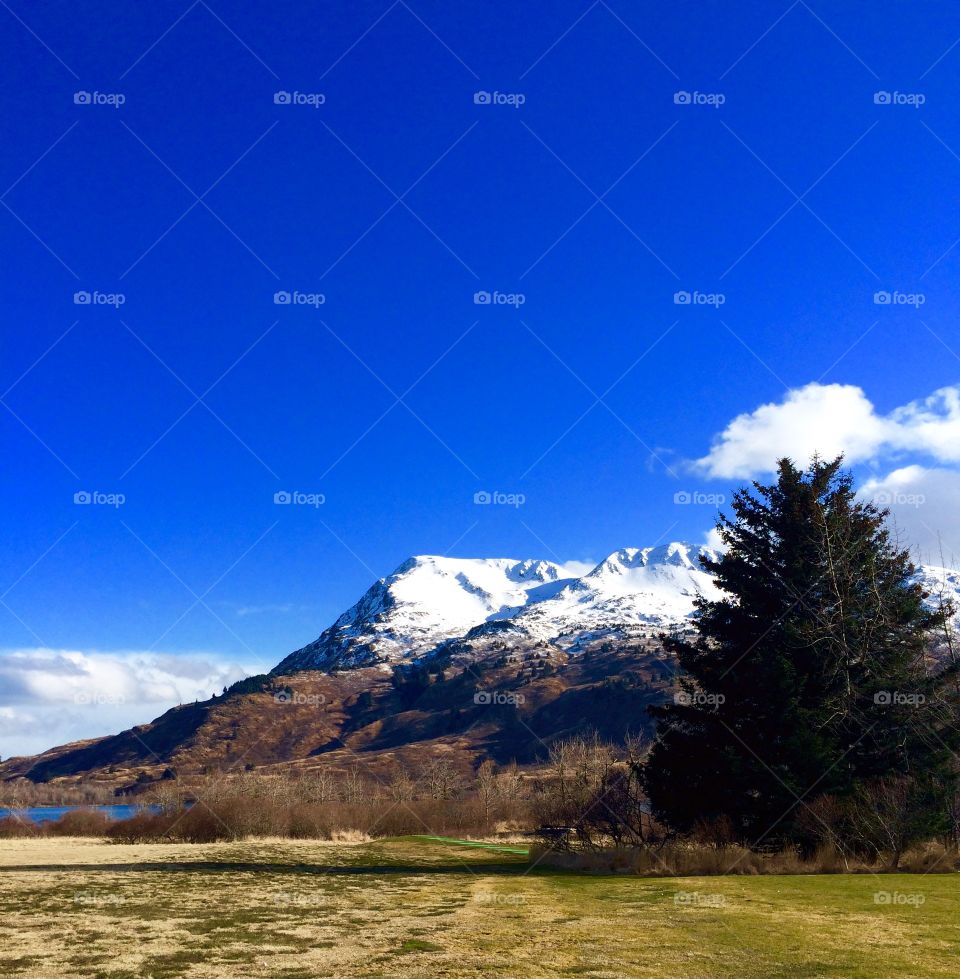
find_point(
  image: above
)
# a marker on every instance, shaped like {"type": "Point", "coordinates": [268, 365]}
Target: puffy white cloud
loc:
{"type": "Point", "coordinates": [830, 419]}
{"type": "Point", "coordinates": [924, 500]}
{"type": "Point", "coordinates": [931, 425]}
{"type": "Point", "coordinates": [52, 696]}
{"type": "Point", "coordinates": [713, 540]}
{"type": "Point", "coordinates": [924, 507]}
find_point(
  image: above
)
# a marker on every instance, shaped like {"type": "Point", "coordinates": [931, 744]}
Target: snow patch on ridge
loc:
{"type": "Point", "coordinates": [430, 599]}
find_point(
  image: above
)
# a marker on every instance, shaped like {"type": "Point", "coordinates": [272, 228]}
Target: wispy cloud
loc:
{"type": "Point", "coordinates": [53, 696]}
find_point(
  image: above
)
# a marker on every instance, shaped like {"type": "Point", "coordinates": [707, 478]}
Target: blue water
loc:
{"type": "Point", "coordinates": [44, 814]}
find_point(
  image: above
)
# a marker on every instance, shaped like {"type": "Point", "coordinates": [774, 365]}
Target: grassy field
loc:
{"type": "Point", "coordinates": [417, 907]}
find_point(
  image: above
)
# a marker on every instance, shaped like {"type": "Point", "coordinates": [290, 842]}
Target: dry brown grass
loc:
{"type": "Point", "coordinates": [307, 910]}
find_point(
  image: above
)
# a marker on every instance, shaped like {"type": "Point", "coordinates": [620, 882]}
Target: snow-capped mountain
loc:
{"type": "Point", "coordinates": [430, 603]}
{"type": "Point", "coordinates": [653, 586]}
{"type": "Point", "coordinates": [429, 600]}
{"type": "Point", "coordinates": [940, 584]}
{"type": "Point", "coordinates": [425, 601]}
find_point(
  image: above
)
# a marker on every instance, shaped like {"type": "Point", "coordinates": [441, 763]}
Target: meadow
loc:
{"type": "Point", "coordinates": [408, 907]}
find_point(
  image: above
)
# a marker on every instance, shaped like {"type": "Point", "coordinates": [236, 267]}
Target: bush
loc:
{"type": "Point", "coordinates": [82, 822]}
{"type": "Point", "coordinates": [14, 826]}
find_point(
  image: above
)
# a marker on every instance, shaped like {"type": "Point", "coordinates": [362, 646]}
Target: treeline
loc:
{"type": "Point", "coordinates": [437, 799]}
{"type": "Point", "coordinates": [20, 793]}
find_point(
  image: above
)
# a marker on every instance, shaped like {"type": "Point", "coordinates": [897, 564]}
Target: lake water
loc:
{"type": "Point", "coordinates": [44, 814]}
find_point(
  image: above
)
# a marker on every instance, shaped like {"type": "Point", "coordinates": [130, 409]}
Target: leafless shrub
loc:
{"type": "Point", "coordinates": [589, 796]}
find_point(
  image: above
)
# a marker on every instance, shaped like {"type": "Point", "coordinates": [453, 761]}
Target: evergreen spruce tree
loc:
{"type": "Point", "coordinates": [811, 676]}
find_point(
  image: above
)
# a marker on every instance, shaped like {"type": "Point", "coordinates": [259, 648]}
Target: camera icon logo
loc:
{"type": "Point", "coordinates": [481, 98]}
{"type": "Point", "coordinates": [483, 497]}
{"type": "Point", "coordinates": [82, 298]}
{"type": "Point", "coordinates": [881, 98]}
{"type": "Point", "coordinates": [481, 298]}
{"type": "Point", "coordinates": [281, 98]}
{"type": "Point", "coordinates": [284, 696]}
{"type": "Point", "coordinates": [282, 298]}
{"type": "Point", "coordinates": [282, 496]}
{"type": "Point", "coordinates": [682, 497]}
{"type": "Point", "coordinates": [81, 98]}
{"type": "Point", "coordinates": [883, 698]}
{"type": "Point", "coordinates": [681, 298]}
{"type": "Point", "coordinates": [681, 98]}
{"type": "Point", "coordinates": [82, 497]}
{"type": "Point", "coordinates": [882, 298]}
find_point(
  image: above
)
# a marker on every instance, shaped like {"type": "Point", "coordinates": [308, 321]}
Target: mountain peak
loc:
{"type": "Point", "coordinates": [681, 554]}
{"type": "Point", "coordinates": [426, 600]}
{"type": "Point", "coordinates": [432, 599]}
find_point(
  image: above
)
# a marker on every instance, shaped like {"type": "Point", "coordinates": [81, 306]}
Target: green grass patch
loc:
{"type": "Point", "coordinates": [417, 945]}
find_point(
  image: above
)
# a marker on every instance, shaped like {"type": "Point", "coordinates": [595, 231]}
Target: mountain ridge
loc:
{"type": "Point", "coordinates": [432, 600]}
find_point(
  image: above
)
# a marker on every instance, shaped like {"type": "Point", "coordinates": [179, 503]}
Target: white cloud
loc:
{"type": "Point", "coordinates": [577, 569]}
{"type": "Point", "coordinates": [52, 696]}
{"type": "Point", "coordinates": [243, 610]}
{"type": "Point", "coordinates": [924, 500]}
{"type": "Point", "coordinates": [713, 540]}
{"type": "Point", "coordinates": [924, 507]}
{"type": "Point", "coordinates": [932, 425]}
{"type": "Point", "coordinates": [830, 419]}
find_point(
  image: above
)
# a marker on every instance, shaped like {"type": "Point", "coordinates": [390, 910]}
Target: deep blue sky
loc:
{"type": "Point", "coordinates": [100, 200]}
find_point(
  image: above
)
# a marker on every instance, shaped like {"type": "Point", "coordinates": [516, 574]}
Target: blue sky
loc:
{"type": "Point", "coordinates": [615, 158]}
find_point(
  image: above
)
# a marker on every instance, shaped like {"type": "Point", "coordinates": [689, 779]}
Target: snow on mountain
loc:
{"type": "Point", "coordinates": [654, 586]}
{"type": "Point", "coordinates": [426, 600]}
{"type": "Point", "coordinates": [941, 584]}
{"type": "Point", "coordinates": [429, 601]}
